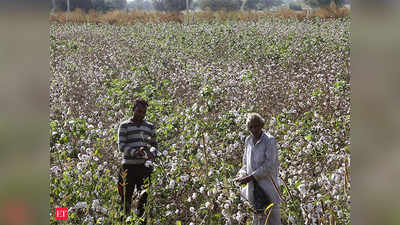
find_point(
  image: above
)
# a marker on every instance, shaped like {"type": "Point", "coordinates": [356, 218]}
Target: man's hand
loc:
{"type": "Point", "coordinates": [139, 152]}
{"type": "Point", "coordinates": [245, 180]}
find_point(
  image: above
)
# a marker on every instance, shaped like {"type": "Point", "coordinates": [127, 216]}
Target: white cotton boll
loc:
{"type": "Point", "coordinates": [226, 206]}
{"type": "Point", "coordinates": [310, 206]}
{"type": "Point", "coordinates": [189, 199]}
{"type": "Point", "coordinates": [194, 195]}
{"type": "Point", "coordinates": [220, 197]}
{"type": "Point", "coordinates": [88, 220]}
{"type": "Point", "coordinates": [81, 205]}
{"type": "Point", "coordinates": [291, 219]}
{"type": "Point", "coordinates": [128, 219]}
{"type": "Point", "coordinates": [80, 156]}
{"type": "Point", "coordinates": [55, 169]}
{"type": "Point", "coordinates": [184, 178]}
{"type": "Point", "coordinates": [225, 213]}
{"type": "Point", "coordinates": [85, 158]}
{"type": "Point", "coordinates": [152, 149]}
{"type": "Point", "coordinates": [95, 203]}
{"type": "Point", "coordinates": [81, 165]}
{"type": "Point", "coordinates": [314, 221]}
{"type": "Point", "coordinates": [302, 188]}
{"type": "Point", "coordinates": [167, 213]}
{"type": "Point", "coordinates": [192, 209]}
{"type": "Point", "coordinates": [103, 210]}
{"type": "Point", "coordinates": [148, 163]}
{"type": "Point", "coordinates": [100, 220]}
{"type": "Point", "coordinates": [173, 166]}
{"type": "Point", "coordinates": [194, 107]}
{"type": "Point", "coordinates": [337, 179]}
{"type": "Point", "coordinates": [333, 177]}
{"type": "Point", "coordinates": [172, 184]}
{"type": "Point", "coordinates": [100, 167]}
{"type": "Point", "coordinates": [207, 204]}
{"type": "Point", "coordinates": [201, 189]}
{"type": "Point", "coordinates": [88, 174]}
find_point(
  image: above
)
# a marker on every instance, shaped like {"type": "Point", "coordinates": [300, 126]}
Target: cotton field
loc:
{"type": "Point", "coordinates": [201, 80]}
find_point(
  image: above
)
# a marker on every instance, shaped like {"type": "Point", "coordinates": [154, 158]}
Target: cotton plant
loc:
{"type": "Point", "coordinates": [295, 74]}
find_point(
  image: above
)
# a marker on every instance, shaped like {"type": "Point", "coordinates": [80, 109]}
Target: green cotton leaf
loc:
{"type": "Point", "coordinates": [298, 183]}
{"type": "Point", "coordinates": [308, 137]}
{"type": "Point", "coordinates": [178, 222]}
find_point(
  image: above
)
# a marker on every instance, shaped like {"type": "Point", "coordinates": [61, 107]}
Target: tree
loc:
{"type": "Point", "coordinates": [295, 6]}
{"type": "Point", "coordinates": [116, 4]}
{"type": "Point", "coordinates": [272, 3]}
{"type": "Point", "coordinates": [169, 5]}
{"type": "Point", "coordinates": [214, 5]}
{"type": "Point", "coordinates": [260, 4]}
{"type": "Point", "coordinates": [319, 3]}
{"type": "Point", "coordinates": [74, 4]}
{"type": "Point", "coordinates": [53, 5]}
{"type": "Point", "coordinates": [140, 5]}
{"type": "Point", "coordinates": [252, 4]}
{"type": "Point", "coordinates": [100, 5]}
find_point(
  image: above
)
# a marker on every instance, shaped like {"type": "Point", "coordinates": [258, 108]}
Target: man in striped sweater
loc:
{"type": "Point", "coordinates": [137, 141]}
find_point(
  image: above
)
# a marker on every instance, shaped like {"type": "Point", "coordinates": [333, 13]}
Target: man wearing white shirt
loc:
{"type": "Point", "coordinates": [260, 172]}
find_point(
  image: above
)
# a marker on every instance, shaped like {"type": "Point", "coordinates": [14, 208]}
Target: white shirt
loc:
{"type": "Point", "coordinates": [261, 160]}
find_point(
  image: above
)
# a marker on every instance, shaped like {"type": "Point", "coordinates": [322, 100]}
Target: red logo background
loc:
{"type": "Point", "coordinates": [61, 214]}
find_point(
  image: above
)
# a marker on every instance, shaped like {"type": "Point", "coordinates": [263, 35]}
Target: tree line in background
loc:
{"type": "Point", "coordinates": [179, 5]}
{"type": "Point", "coordinates": [86, 5]}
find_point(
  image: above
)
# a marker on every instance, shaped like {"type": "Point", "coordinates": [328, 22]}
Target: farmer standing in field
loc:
{"type": "Point", "coordinates": [137, 141]}
{"type": "Point", "coordinates": [260, 172]}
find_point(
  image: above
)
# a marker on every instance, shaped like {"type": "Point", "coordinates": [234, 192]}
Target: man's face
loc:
{"type": "Point", "coordinates": [255, 128]}
{"type": "Point", "coordinates": [139, 112]}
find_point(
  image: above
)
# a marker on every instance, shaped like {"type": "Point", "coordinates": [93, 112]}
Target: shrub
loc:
{"type": "Point", "coordinates": [214, 5]}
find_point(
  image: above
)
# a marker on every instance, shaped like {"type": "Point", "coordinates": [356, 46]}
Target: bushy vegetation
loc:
{"type": "Point", "coordinates": [201, 81]}
{"type": "Point", "coordinates": [133, 17]}
{"type": "Point", "coordinates": [295, 6]}
{"type": "Point", "coordinates": [228, 5]}
{"type": "Point", "coordinates": [325, 3]}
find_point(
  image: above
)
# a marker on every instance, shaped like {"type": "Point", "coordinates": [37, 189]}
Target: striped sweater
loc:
{"type": "Point", "coordinates": [131, 137]}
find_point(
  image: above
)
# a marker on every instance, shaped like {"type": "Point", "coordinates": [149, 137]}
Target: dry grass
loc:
{"type": "Point", "coordinates": [129, 18]}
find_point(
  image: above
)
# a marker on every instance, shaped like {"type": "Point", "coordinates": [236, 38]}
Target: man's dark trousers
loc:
{"type": "Point", "coordinates": [135, 177]}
